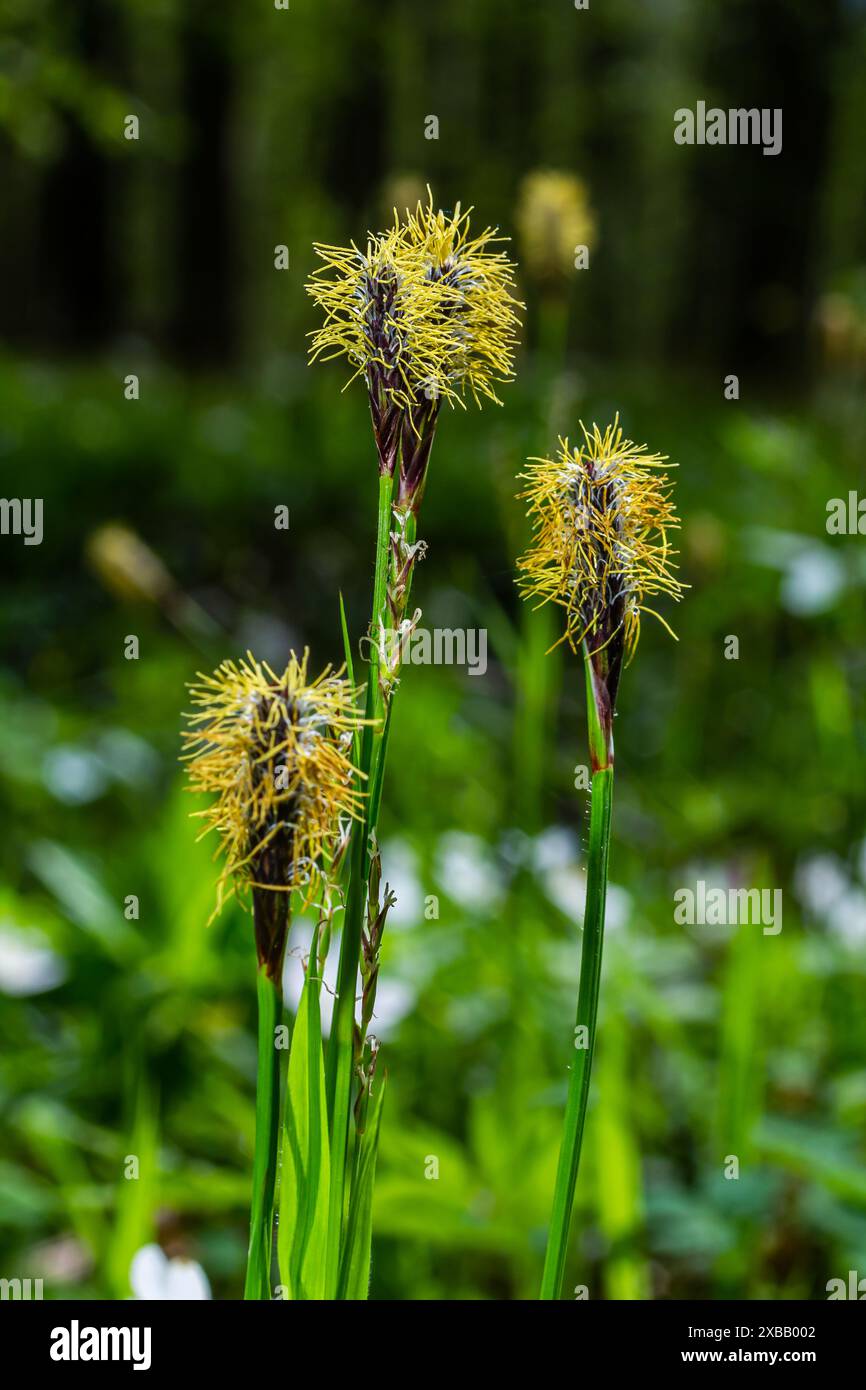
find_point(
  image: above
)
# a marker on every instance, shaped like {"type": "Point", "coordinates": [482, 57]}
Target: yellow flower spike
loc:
{"type": "Point", "coordinates": [602, 515]}
{"type": "Point", "coordinates": [273, 753]}
{"type": "Point", "coordinates": [424, 314]}
{"type": "Point", "coordinates": [553, 218]}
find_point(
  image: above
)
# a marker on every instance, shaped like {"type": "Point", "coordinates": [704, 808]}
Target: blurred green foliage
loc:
{"type": "Point", "coordinates": [748, 771]}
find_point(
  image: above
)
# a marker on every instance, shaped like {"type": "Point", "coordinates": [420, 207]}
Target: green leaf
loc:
{"type": "Point", "coordinates": [266, 1155]}
{"type": "Point", "coordinates": [342, 1041]}
{"type": "Point", "coordinates": [137, 1201]}
{"type": "Point", "coordinates": [355, 1269]}
{"type": "Point", "coordinates": [83, 898]}
{"type": "Point", "coordinates": [304, 1196]}
{"type": "Point", "coordinates": [347, 645]}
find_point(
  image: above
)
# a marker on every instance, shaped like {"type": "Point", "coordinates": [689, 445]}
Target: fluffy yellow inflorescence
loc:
{"type": "Point", "coordinates": [273, 752]}
{"type": "Point", "coordinates": [601, 515]}
{"type": "Point", "coordinates": [553, 219]}
{"type": "Point", "coordinates": [426, 311]}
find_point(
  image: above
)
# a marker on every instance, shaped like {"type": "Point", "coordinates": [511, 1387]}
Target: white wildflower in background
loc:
{"type": "Point", "coordinates": [156, 1278]}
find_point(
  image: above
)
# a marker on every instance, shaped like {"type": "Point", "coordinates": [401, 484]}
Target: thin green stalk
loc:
{"type": "Point", "coordinates": [587, 1010]}
{"type": "Point", "coordinates": [342, 1043]}
{"type": "Point", "coordinates": [352, 1213]}
{"type": "Point", "coordinates": [378, 778]}
{"type": "Point", "coordinates": [374, 801]}
{"type": "Point", "coordinates": [258, 1280]}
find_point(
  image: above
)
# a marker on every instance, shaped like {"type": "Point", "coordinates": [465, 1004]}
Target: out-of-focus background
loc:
{"type": "Point", "coordinates": [127, 1031]}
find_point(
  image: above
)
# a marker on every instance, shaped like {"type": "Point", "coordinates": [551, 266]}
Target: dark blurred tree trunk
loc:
{"type": "Point", "coordinates": [19, 238]}
{"type": "Point", "coordinates": [75, 301]}
{"type": "Point", "coordinates": [746, 292]}
{"type": "Point", "coordinates": [204, 322]}
{"type": "Point", "coordinates": [354, 115]}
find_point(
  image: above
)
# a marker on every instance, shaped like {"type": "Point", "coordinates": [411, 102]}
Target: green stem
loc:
{"type": "Point", "coordinates": [340, 1057]}
{"type": "Point", "coordinates": [258, 1280]}
{"type": "Point", "coordinates": [587, 1011]}
{"type": "Point", "coordinates": [352, 1212]}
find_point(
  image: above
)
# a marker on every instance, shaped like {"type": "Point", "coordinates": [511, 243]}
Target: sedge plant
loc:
{"type": "Point", "coordinates": [424, 314]}
{"type": "Point", "coordinates": [272, 752]}
{"type": "Point", "coordinates": [602, 515]}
